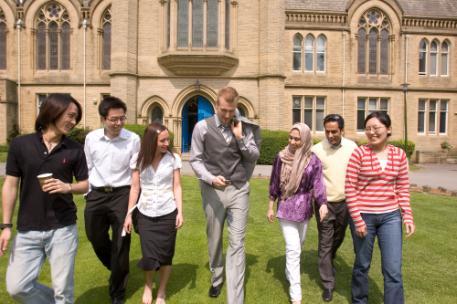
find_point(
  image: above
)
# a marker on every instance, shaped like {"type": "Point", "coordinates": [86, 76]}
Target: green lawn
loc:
{"type": "Point", "coordinates": [3, 156]}
{"type": "Point", "coordinates": [429, 258]}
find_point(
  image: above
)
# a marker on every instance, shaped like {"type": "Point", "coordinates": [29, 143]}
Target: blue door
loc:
{"type": "Point", "coordinates": [195, 109]}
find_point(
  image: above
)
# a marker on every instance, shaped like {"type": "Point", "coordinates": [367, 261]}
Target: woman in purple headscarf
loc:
{"type": "Point", "coordinates": [296, 179]}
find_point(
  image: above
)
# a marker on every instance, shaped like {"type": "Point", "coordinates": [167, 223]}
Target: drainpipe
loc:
{"type": "Point", "coordinates": [344, 72]}
{"type": "Point", "coordinates": [19, 24]}
{"type": "Point", "coordinates": [84, 24]}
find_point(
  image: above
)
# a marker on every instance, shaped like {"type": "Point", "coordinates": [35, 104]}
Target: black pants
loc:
{"type": "Point", "coordinates": [105, 210]}
{"type": "Point", "coordinates": [331, 235]}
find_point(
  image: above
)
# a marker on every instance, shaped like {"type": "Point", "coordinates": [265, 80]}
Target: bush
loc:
{"type": "Point", "coordinates": [13, 133]}
{"type": "Point", "coordinates": [3, 148]}
{"type": "Point", "coordinates": [272, 143]}
{"type": "Point", "coordinates": [139, 129]}
{"type": "Point", "coordinates": [409, 148]}
{"type": "Point", "coordinates": [78, 134]}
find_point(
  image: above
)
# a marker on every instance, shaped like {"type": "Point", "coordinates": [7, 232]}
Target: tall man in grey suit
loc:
{"type": "Point", "coordinates": [222, 153]}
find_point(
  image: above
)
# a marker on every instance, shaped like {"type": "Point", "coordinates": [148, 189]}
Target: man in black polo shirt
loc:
{"type": "Point", "coordinates": [46, 226]}
{"type": "Point", "coordinates": [111, 156]}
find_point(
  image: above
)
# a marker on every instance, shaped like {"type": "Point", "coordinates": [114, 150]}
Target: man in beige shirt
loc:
{"type": "Point", "coordinates": [334, 153]}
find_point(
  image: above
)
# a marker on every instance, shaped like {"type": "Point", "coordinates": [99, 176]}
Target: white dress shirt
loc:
{"type": "Point", "coordinates": [157, 196]}
{"type": "Point", "coordinates": [111, 161]}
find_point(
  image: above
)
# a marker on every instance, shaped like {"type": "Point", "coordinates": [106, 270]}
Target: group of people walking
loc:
{"type": "Point", "coordinates": [134, 184]}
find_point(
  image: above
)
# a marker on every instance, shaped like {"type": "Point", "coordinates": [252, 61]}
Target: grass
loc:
{"type": "Point", "coordinates": [3, 156]}
{"type": "Point", "coordinates": [428, 265]}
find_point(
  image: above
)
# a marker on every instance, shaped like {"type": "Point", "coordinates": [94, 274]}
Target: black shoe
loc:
{"type": "Point", "coordinates": [327, 295]}
{"type": "Point", "coordinates": [215, 291]}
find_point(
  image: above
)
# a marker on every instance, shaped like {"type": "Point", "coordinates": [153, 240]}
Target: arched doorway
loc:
{"type": "Point", "coordinates": [194, 110]}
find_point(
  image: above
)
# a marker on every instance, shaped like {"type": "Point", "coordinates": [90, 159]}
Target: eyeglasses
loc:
{"type": "Point", "coordinates": [374, 129]}
{"type": "Point", "coordinates": [116, 119]}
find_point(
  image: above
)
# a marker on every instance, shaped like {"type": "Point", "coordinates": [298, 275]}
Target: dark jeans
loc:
{"type": "Point", "coordinates": [388, 228]}
{"type": "Point", "coordinates": [105, 210]}
{"type": "Point", "coordinates": [331, 235]}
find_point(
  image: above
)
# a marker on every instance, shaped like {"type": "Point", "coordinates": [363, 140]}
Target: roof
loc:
{"type": "Point", "coordinates": [416, 8]}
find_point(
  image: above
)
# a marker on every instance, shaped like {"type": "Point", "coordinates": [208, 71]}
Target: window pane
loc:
{"type": "Point", "coordinates": [361, 104]}
{"type": "Point", "coordinates": [227, 24]}
{"type": "Point", "coordinates": [321, 44]}
{"type": "Point", "coordinates": [297, 61]}
{"type": "Point", "coordinates": [296, 110]}
{"type": "Point", "coordinates": [156, 115]}
{"type": "Point", "coordinates": [183, 19]}
{"type": "Point", "coordinates": [319, 120]}
{"type": "Point", "coordinates": [443, 116]}
{"type": "Point", "coordinates": [360, 119]}
{"type": "Point", "coordinates": [423, 57]}
{"type": "Point", "coordinates": [297, 52]}
{"type": "Point", "coordinates": [432, 116]}
{"type": "Point", "coordinates": [384, 52]}
{"type": "Point", "coordinates": [373, 44]}
{"type": "Point", "coordinates": [308, 102]}
{"type": "Point", "coordinates": [2, 45]}
{"type": "Point", "coordinates": [212, 23]}
{"type": "Point", "coordinates": [53, 46]}
{"type": "Point", "coordinates": [384, 104]}
{"type": "Point", "coordinates": [421, 105]}
{"type": "Point", "coordinates": [296, 102]}
{"type": "Point", "coordinates": [309, 118]}
{"type": "Point", "coordinates": [106, 61]}
{"type": "Point", "coordinates": [41, 46]}
{"type": "Point", "coordinates": [65, 56]}
{"type": "Point", "coordinates": [309, 42]}
{"type": "Point", "coordinates": [433, 56]}
{"type": "Point", "coordinates": [444, 64]}
{"type": "Point", "coordinates": [361, 51]}
{"type": "Point", "coordinates": [320, 102]}
{"type": "Point", "coordinates": [421, 122]}
{"type": "Point", "coordinates": [372, 105]}
{"type": "Point", "coordinates": [197, 23]}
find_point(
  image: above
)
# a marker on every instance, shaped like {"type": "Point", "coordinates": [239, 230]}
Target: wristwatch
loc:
{"type": "Point", "coordinates": [3, 226]}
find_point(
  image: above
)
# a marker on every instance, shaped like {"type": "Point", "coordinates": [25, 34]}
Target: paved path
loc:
{"type": "Point", "coordinates": [433, 175]}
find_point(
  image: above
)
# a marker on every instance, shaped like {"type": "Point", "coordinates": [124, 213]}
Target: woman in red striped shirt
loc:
{"type": "Point", "coordinates": [377, 195]}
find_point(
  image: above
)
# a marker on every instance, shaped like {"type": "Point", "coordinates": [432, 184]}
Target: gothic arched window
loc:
{"type": "Point", "coordinates": [3, 30]}
{"type": "Point", "coordinates": [444, 58]}
{"type": "Point", "coordinates": [373, 37]}
{"type": "Point", "coordinates": [423, 49]}
{"type": "Point", "coordinates": [156, 114]}
{"type": "Point", "coordinates": [297, 52]}
{"type": "Point", "coordinates": [309, 50]}
{"type": "Point", "coordinates": [52, 37]}
{"type": "Point", "coordinates": [434, 58]}
{"type": "Point", "coordinates": [106, 39]}
{"type": "Point", "coordinates": [320, 53]}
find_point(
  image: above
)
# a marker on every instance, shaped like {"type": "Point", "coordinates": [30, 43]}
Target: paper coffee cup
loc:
{"type": "Point", "coordinates": [43, 177]}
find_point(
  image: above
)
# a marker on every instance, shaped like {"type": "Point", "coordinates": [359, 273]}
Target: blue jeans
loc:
{"type": "Point", "coordinates": [28, 253]}
{"type": "Point", "coordinates": [388, 228]}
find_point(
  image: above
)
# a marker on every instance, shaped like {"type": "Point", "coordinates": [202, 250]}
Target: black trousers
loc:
{"type": "Point", "coordinates": [105, 210]}
{"type": "Point", "coordinates": [331, 235]}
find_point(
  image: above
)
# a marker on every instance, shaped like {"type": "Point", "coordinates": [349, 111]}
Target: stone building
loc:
{"type": "Point", "coordinates": [290, 60]}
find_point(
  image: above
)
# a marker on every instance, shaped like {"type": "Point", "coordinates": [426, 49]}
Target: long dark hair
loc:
{"type": "Point", "coordinates": [149, 145]}
{"type": "Point", "coordinates": [53, 108]}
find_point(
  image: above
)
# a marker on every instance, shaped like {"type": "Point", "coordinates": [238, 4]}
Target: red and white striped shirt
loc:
{"type": "Point", "coordinates": [369, 189]}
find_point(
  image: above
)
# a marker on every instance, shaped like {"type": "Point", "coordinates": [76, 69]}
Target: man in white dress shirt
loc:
{"type": "Point", "coordinates": [111, 153]}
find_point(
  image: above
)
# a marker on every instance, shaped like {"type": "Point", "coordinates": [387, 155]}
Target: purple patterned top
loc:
{"type": "Point", "coordinates": [298, 207]}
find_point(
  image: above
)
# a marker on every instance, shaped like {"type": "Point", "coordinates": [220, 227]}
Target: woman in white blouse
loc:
{"type": "Point", "coordinates": [159, 207]}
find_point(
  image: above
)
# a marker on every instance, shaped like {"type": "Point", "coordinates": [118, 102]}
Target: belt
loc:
{"type": "Point", "coordinates": [108, 189]}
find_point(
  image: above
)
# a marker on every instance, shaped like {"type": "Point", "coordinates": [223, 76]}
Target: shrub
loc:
{"type": "Point", "coordinates": [13, 133]}
{"type": "Point", "coordinates": [409, 148]}
{"type": "Point", "coordinates": [272, 143]}
{"type": "Point", "coordinates": [3, 148]}
{"type": "Point", "coordinates": [139, 129]}
{"type": "Point", "coordinates": [78, 134]}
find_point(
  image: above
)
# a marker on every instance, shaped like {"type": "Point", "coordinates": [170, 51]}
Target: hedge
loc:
{"type": "Point", "coordinates": [79, 134]}
{"type": "Point", "coordinates": [272, 143]}
{"type": "Point", "coordinates": [409, 148]}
